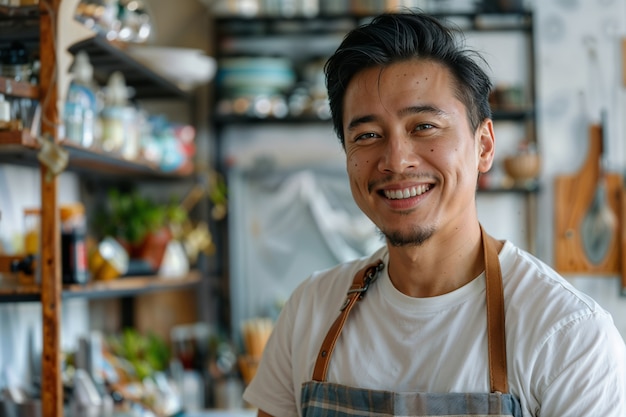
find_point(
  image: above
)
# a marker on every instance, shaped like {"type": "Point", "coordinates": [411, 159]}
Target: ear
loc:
{"type": "Point", "coordinates": [486, 145]}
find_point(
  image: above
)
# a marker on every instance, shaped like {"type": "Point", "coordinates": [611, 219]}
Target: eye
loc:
{"type": "Point", "coordinates": [365, 136]}
{"type": "Point", "coordinates": [423, 126]}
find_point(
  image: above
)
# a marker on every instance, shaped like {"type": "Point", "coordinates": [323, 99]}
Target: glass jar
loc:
{"type": "Point", "coordinates": [32, 229]}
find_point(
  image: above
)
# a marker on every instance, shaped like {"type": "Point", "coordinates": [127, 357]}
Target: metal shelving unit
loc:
{"type": "Point", "coordinates": [107, 57]}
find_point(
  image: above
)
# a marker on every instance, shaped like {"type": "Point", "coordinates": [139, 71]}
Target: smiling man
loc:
{"type": "Point", "coordinates": [445, 319]}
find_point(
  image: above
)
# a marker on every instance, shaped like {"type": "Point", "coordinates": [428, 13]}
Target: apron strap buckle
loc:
{"type": "Point", "coordinates": [360, 285]}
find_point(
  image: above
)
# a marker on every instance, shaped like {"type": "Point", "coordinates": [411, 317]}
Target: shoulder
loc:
{"type": "Point", "coordinates": [332, 284]}
{"type": "Point", "coordinates": [529, 281]}
{"type": "Point", "coordinates": [543, 308]}
{"type": "Point", "coordinates": [559, 339]}
{"type": "Point", "coordinates": [316, 303]}
{"type": "Point", "coordinates": [290, 354]}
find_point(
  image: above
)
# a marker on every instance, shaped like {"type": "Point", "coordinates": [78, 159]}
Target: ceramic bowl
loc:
{"type": "Point", "coordinates": [250, 76]}
{"type": "Point", "coordinates": [186, 67]}
{"type": "Point", "coordinates": [522, 167]}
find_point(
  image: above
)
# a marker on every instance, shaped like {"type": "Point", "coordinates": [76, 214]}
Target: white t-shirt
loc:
{"type": "Point", "coordinates": [565, 356]}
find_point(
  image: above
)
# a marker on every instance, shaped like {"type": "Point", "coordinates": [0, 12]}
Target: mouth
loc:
{"type": "Point", "coordinates": [408, 192]}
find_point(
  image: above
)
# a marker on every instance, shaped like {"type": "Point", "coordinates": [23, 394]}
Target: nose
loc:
{"type": "Point", "coordinates": [398, 154]}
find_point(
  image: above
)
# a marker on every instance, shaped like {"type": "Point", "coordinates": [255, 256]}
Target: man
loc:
{"type": "Point", "coordinates": [444, 320]}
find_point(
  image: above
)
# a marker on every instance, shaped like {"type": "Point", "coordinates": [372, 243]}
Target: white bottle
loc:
{"type": "Point", "coordinates": [119, 121]}
{"type": "Point", "coordinates": [5, 109]}
{"type": "Point", "coordinates": [81, 105]}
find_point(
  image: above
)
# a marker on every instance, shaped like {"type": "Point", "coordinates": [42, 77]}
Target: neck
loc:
{"type": "Point", "coordinates": [444, 263]}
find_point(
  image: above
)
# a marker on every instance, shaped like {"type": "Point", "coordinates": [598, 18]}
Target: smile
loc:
{"type": "Point", "coordinates": [407, 192]}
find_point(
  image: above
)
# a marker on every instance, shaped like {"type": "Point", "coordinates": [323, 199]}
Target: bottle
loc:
{"type": "Point", "coordinates": [32, 219]}
{"type": "Point", "coordinates": [32, 240]}
{"type": "Point", "coordinates": [5, 109]}
{"type": "Point", "coordinates": [81, 104]}
{"type": "Point", "coordinates": [73, 244]}
{"type": "Point", "coordinates": [119, 124]}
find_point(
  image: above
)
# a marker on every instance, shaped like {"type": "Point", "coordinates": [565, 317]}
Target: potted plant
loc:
{"type": "Point", "coordinates": [141, 225]}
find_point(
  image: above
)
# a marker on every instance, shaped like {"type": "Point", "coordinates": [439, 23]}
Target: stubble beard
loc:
{"type": "Point", "coordinates": [415, 237]}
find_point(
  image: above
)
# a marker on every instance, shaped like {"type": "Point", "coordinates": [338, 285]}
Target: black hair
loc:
{"type": "Point", "coordinates": [396, 37]}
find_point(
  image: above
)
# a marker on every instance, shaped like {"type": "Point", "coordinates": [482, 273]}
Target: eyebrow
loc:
{"type": "Point", "coordinates": [402, 113]}
{"type": "Point", "coordinates": [422, 109]}
{"type": "Point", "coordinates": [359, 121]}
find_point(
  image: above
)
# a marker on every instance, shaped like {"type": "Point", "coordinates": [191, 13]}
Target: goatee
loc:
{"type": "Point", "coordinates": [415, 237]}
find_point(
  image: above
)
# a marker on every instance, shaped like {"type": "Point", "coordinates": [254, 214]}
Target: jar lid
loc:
{"type": "Point", "coordinates": [70, 210]}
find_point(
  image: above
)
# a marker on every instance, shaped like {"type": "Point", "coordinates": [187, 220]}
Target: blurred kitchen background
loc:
{"type": "Point", "coordinates": [260, 130]}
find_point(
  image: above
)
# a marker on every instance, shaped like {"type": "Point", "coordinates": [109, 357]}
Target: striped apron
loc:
{"type": "Point", "coordinates": [321, 398]}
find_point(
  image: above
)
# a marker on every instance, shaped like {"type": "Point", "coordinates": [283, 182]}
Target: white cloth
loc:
{"type": "Point", "coordinates": [565, 356]}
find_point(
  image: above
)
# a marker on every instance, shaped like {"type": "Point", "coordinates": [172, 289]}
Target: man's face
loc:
{"type": "Point", "coordinates": [412, 158]}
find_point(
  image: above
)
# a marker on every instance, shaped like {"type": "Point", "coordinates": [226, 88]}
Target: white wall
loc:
{"type": "Point", "coordinates": [563, 72]}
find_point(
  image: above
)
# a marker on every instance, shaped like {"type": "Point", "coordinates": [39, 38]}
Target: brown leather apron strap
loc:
{"type": "Point", "coordinates": [360, 284]}
{"type": "Point", "coordinates": [495, 316]}
{"type": "Point", "coordinates": [496, 336]}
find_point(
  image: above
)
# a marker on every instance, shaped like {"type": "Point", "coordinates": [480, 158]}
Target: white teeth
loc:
{"type": "Point", "coordinates": [407, 192]}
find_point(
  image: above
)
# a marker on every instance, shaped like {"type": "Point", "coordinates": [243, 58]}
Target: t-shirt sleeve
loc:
{"type": "Point", "coordinates": [582, 371]}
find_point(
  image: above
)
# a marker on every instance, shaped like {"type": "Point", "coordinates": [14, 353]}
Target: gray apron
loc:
{"type": "Point", "coordinates": [321, 398]}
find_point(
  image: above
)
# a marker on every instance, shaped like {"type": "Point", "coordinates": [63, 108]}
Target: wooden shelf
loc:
{"type": "Point", "coordinates": [14, 88]}
{"type": "Point", "coordinates": [10, 291]}
{"type": "Point", "coordinates": [15, 12]}
{"type": "Point", "coordinates": [17, 139]}
{"type": "Point", "coordinates": [128, 286]}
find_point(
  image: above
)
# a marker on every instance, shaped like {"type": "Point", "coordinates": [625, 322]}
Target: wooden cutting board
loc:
{"type": "Point", "coordinates": [573, 195]}
{"type": "Point", "coordinates": [623, 243]}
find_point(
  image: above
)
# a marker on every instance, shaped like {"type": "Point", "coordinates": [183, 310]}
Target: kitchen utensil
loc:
{"type": "Point", "coordinates": [573, 197]}
{"type": "Point", "coordinates": [598, 225]}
